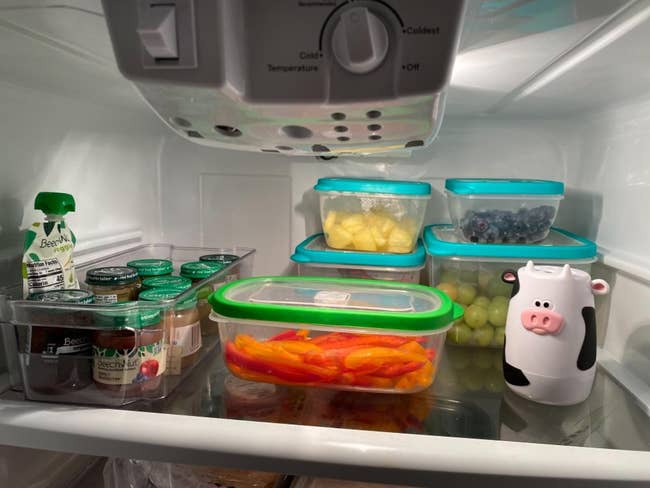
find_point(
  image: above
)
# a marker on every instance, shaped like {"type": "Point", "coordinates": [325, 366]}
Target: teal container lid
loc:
{"type": "Point", "coordinates": [128, 315]}
{"type": "Point", "coordinates": [561, 245]}
{"type": "Point", "coordinates": [199, 270]}
{"type": "Point", "coordinates": [314, 250]}
{"type": "Point", "coordinates": [349, 303]}
{"type": "Point", "coordinates": [360, 185]}
{"type": "Point", "coordinates": [165, 294]}
{"type": "Point", "coordinates": [178, 282]}
{"type": "Point", "coordinates": [489, 186]}
{"type": "Point", "coordinates": [67, 295]}
{"type": "Point", "coordinates": [151, 267]}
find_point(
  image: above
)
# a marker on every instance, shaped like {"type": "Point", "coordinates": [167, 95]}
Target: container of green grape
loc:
{"type": "Point", "coordinates": [470, 273]}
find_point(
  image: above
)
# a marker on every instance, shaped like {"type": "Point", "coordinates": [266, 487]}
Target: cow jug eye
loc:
{"type": "Point", "coordinates": [538, 303]}
{"type": "Point", "coordinates": [547, 304]}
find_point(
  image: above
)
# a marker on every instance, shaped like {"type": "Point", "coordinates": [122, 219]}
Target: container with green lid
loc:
{"type": "Point", "coordinates": [151, 267]}
{"type": "Point", "coordinates": [200, 270]}
{"type": "Point", "coordinates": [112, 284]}
{"type": "Point", "coordinates": [128, 315]}
{"type": "Point", "coordinates": [226, 260]}
{"type": "Point", "coordinates": [349, 334]}
{"type": "Point", "coordinates": [168, 294]}
{"type": "Point", "coordinates": [177, 282]}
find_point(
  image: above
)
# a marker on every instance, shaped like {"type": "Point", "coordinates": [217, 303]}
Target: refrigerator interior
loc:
{"type": "Point", "coordinates": [559, 91]}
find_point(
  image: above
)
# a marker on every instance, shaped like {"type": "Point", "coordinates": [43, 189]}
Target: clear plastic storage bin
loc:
{"type": "Point", "coordinates": [372, 215]}
{"type": "Point", "coordinates": [503, 211]}
{"type": "Point", "coordinates": [346, 334]}
{"type": "Point", "coordinates": [471, 275]}
{"type": "Point", "coordinates": [101, 354]}
{"type": "Point", "coordinates": [314, 258]}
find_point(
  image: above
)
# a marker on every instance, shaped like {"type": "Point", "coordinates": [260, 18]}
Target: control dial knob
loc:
{"type": "Point", "coordinates": [359, 40]}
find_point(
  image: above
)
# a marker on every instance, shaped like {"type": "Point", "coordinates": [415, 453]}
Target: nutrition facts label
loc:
{"type": "Point", "coordinates": [45, 275]}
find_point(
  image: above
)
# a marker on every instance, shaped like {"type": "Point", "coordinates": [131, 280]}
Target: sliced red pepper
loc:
{"type": "Point", "coordinates": [367, 340]}
{"type": "Point", "coordinates": [398, 369]}
{"type": "Point", "coordinates": [331, 337]}
{"type": "Point", "coordinates": [290, 335]}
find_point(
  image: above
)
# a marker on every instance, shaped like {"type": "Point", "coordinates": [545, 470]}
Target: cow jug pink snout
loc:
{"type": "Point", "coordinates": [542, 322]}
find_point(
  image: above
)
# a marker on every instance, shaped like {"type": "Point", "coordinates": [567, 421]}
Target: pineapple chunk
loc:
{"type": "Point", "coordinates": [400, 240]}
{"type": "Point", "coordinates": [363, 241]}
{"type": "Point", "coordinates": [387, 226]}
{"type": "Point", "coordinates": [379, 238]}
{"type": "Point", "coordinates": [338, 237]}
{"type": "Point", "coordinates": [354, 223]}
{"type": "Point", "coordinates": [330, 221]}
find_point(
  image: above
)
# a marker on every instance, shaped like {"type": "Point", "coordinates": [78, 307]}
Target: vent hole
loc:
{"type": "Point", "coordinates": [319, 148]}
{"type": "Point", "coordinates": [374, 137]}
{"type": "Point", "coordinates": [296, 131]}
{"type": "Point", "coordinates": [343, 138]}
{"type": "Point", "coordinates": [193, 133]}
{"type": "Point", "coordinates": [228, 131]}
{"type": "Point", "coordinates": [415, 143]}
{"type": "Point", "coordinates": [284, 148]}
{"type": "Point", "coordinates": [270, 150]}
{"type": "Point", "coordinates": [374, 127]}
{"type": "Point", "coordinates": [181, 122]}
{"type": "Point", "coordinates": [338, 116]}
{"type": "Point", "coordinates": [373, 114]}
{"type": "Point", "coordinates": [341, 128]}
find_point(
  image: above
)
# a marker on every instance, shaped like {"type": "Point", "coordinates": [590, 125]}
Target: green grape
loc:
{"type": "Point", "coordinates": [449, 289]}
{"type": "Point", "coordinates": [484, 278]}
{"type": "Point", "coordinates": [499, 338]}
{"type": "Point", "coordinates": [449, 276]}
{"type": "Point", "coordinates": [483, 336]}
{"type": "Point", "coordinates": [493, 381]}
{"type": "Point", "coordinates": [482, 301]}
{"type": "Point", "coordinates": [476, 316]}
{"type": "Point", "coordinates": [468, 276]}
{"type": "Point", "coordinates": [466, 294]}
{"type": "Point", "coordinates": [500, 300]}
{"type": "Point", "coordinates": [497, 314]}
{"type": "Point", "coordinates": [497, 287]}
{"type": "Point", "coordinates": [459, 334]}
{"type": "Point", "coordinates": [482, 359]}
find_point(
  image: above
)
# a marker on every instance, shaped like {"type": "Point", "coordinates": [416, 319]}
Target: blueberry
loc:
{"type": "Point", "coordinates": [492, 234]}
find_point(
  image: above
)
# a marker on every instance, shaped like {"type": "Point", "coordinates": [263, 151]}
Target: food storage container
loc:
{"type": "Point", "coordinates": [349, 334]}
{"type": "Point", "coordinates": [48, 340]}
{"type": "Point", "coordinates": [372, 215]}
{"type": "Point", "coordinates": [502, 210]}
{"type": "Point", "coordinates": [315, 258]}
{"type": "Point", "coordinates": [471, 275]}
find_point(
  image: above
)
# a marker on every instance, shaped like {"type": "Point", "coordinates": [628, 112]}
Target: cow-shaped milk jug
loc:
{"type": "Point", "coordinates": [550, 346]}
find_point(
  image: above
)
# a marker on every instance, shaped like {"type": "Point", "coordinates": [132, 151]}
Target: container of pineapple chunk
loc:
{"type": "Point", "coordinates": [372, 215]}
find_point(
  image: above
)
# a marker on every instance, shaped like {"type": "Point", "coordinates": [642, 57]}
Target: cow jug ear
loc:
{"type": "Point", "coordinates": [599, 287]}
{"type": "Point", "coordinates": [509, 276]}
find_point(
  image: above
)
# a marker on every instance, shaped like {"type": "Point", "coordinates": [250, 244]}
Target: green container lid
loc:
{"type": "Point", "coordinates": [53, 203]}
{"type": "Point", "coordinates": [178, 282]}
{"type": "Point", "coordinates": [111, 275]}
{"type": "Point", "coordinates": [226, 259]}
{"type": "Point", "coordinates": [166, 294]}
{"type": "Point", "coordinates": [199, 270]}
{"type": "Point", "coordinates": [151, 267]}
{"type": "Point", "coordinates": [364, 304]}
{"type": "Point", "coordinates": [71, 295]}
{"type": "Point", "coordinates": [128, 315]}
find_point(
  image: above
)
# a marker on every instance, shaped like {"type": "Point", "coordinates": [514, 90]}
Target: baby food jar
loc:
{"type": "Point", "coordinates": [226, 260]}
{"type": "Point", "coordinates": [198, 271]}
{"type": "Point", "coordinates": [185, 328]}
{"type": "Point", "coordinates": [148, 268]}
{"type": "Point", "coordinates": [113, 284]}
{"type": "Point", "coordinates": [129, 356]}
{"type": "Point", "coordinates": [59, 357]}
{"type": "Point", "coordinates": [176, 282]}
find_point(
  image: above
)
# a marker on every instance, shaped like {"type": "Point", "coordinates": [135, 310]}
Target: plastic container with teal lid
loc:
{"type": "Point", "coordinates": [503, 210]}
{"type": "Point", "coordinates": [129, 351]}
{"type": "Point", "coordinates": [178, 282]}
{"type": "Point", "coordinates": [314, 258]}
{"type": "Point", "coordinates": [348, 334]}
{"type": "Point", "coordinates": [471, 274]}
{"type": "Point", "coordinates": [185, 333]}
{"type": "Point", "coordinates": [198, 271]}
{"type": "Point", "coordinates": [372, 215]}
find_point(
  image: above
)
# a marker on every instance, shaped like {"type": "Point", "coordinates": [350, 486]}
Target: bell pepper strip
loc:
{"type": "Point", "coordinates": [290, 335]}
{"type": "Point", "coordinates": [413, 347]}
{"type": "Point", "coordinates": [295, 347]}
{"type": "Point", "coordinates": [380, 355]}
{"type": "Point", "coordinates": [367, 340]}
{"type": "Point", "coordinates": [331, 337]}
{"type": "Point", "coordinates": [398, 369]}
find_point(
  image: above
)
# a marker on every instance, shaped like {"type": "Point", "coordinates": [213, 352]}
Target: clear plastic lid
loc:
{"type": "Point", "coordinates": [337, 301]}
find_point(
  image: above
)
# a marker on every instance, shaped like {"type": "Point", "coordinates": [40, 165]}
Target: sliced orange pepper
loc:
{"type": "Point", "coordinates": [383, 356]}
{"type": "Point", "coordinates": [414, 347]}
{"type": "Point", "coordinates": [295, 347]}
{"type": "Point", "coordinates": [398, 369]}
{"type": "Point", "coordinates": [367, 340]}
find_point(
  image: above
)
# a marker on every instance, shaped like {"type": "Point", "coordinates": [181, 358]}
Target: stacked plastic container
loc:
{"type": "Point", "coordinates": [66, 347]}
{"type": "Point", "coordinates": [497, 225]}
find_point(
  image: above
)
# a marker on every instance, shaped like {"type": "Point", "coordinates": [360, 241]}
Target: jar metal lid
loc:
{"type": "Point", "coordinates": [111, 275]}
{"type": "Point", "coordinates": [226, 259]}
{"type": "Point", "coordinates": [200, 269]}
{"type": "Point", "coordinates": [179, 282]}
{"type": "Point", "coordinates": [68, 295]}
{"type": "Point", "coordinates": [128, 315]}
{"type": "Point", "coordinates": [151, 267]}
{"type": "Point", "coordinates": [165, 294]}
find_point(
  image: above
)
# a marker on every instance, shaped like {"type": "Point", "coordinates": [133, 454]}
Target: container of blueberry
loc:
{"type": "Point", "coordinates": [503, 210]}
{"type": "Point", "coordinates": [471, 275]}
